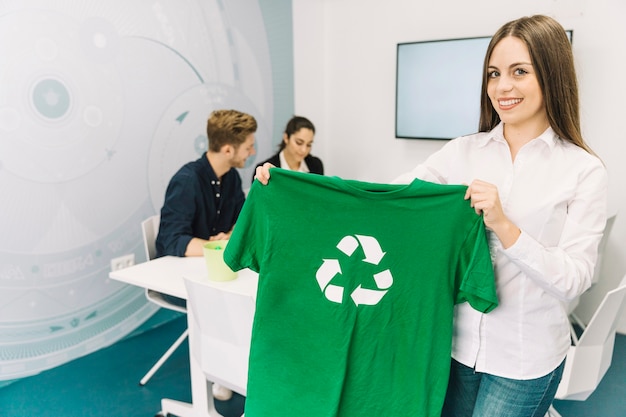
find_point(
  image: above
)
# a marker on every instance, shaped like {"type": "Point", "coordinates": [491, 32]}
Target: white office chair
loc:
{"type": "Point", "coordinates": [590, 356]}
{"type": "Point", "coordinates": [222, 326]}
{"type": "Point", "coordinates": [596, 273]}
{"type": "Point", "coordinates": [150, 229]}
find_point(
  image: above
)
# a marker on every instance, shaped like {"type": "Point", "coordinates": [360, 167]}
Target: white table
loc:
{"type": "Point", "coordinates": [166, 275]}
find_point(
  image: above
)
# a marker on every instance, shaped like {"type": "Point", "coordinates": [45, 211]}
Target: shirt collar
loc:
{"type": "Point", "coordinates": [549, 136]}
{"type": "Point", "coordinates": [208, 168]}
{"type": "Point", "coordinates": [283, 163]}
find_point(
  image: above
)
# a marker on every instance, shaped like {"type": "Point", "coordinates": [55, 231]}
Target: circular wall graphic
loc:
{"type": "Point", "coordinates": [100, 105]}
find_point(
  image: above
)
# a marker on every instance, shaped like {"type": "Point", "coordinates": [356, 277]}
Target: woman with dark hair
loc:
{"type": "Point", "coordinates": [543, 197]}
{"type": "Point", "coordinates": [542, 194]}
{"type": "Point", "coordinates": [294, 151]}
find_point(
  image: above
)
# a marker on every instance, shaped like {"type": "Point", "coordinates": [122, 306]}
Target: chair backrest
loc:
{"type": "Point", "coordinates": [150, 230]}
{"type": "Point", "coordinates": [222, 323]}
{"type": "Point", "coordinates": [605, 320]}
{"type": "Point", "coordinates": [572, 305]}
{"type": "Point", "coordinates": [605, 237]}
{"type": "Point", "coordinates": [590, 358]}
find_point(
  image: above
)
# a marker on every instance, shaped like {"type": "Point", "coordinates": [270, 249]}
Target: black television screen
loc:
{"type": "Point", "coordinates": [438, 87]}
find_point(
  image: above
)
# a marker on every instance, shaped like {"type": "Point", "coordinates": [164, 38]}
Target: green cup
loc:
{"type": "Point", "coordinates": [215, 265]}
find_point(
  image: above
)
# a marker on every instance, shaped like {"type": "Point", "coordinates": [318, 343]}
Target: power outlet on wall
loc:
{"type": "Point", "coordinates": [122, 262]}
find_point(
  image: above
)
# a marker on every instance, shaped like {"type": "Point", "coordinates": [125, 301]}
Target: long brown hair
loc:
{"type": "Point", "coordinates": [551, 54]}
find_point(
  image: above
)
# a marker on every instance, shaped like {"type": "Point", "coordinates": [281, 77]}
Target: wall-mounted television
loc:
{"type": "Point", "coordinates": [438, 87]}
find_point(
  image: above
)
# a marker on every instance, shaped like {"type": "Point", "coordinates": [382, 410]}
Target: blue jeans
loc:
{"type": "Point", "coordinates": [476, 394]}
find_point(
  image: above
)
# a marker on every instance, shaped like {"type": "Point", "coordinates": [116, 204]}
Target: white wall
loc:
{"type": "Point", "coordinates": [345, 53]}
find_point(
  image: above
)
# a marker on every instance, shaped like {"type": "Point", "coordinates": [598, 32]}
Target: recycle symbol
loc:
{"type": "Point", "coordinates": [331, 267]}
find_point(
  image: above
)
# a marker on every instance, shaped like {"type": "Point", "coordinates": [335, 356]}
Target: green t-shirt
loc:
{"type": "Point", "coordinates": [357, 283]}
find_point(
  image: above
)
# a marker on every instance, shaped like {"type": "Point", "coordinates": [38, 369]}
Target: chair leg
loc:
{"type": "Point", "coordinates": [163, 358]}
{"type": "Point", "coordinates": [552, 412]}
{"type": "Point", "coordinates": [578, 321]}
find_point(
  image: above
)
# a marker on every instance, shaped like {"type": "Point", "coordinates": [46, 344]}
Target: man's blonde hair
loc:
{"type": "Point", "coordinates": [229, 127]}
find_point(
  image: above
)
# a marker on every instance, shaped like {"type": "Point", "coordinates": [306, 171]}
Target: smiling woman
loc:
{"type": "Point", "coordinates": [515, 94]}
{"type": "Point", "coordinates": [543, 197]}
{"type": "Point", "coordinates": [542, 194]}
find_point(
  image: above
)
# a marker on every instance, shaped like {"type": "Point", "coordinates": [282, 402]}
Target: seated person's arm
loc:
{"type": "Point", "coordinates": [176, 237]}
{"type": "Point", "coordinates": [195, 245]}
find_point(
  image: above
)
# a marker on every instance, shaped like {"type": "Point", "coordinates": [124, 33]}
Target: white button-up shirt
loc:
{"type": "Point", "coordinates": [556, 193]}
{"type": "Point", "coordinates": [283, 163]}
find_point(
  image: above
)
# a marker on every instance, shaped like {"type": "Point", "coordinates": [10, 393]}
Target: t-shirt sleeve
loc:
{"type": "Point", "coordinates": [246, 245]}
{"type": "Point", "coordinates": [476, 280]}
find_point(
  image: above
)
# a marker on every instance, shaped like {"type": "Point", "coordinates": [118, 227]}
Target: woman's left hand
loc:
{"type": "Point", "coordinates": [485, 200]}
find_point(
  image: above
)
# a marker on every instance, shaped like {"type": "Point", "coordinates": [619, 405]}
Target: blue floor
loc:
{"type": "Point", "coordinates": [105, 383]}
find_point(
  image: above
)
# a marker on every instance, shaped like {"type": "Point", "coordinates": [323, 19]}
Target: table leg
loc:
{"type": "Point", "coordinates": [202, 403]}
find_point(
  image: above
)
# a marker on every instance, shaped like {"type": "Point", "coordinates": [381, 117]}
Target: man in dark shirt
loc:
{"type": "Point", "coordinates": [204, 198]}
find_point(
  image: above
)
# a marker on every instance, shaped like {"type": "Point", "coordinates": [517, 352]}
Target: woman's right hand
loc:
{"type": "Point", "coordinates": [485, 200]}
{"type": "Point", "coordinates": [263, 173]}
